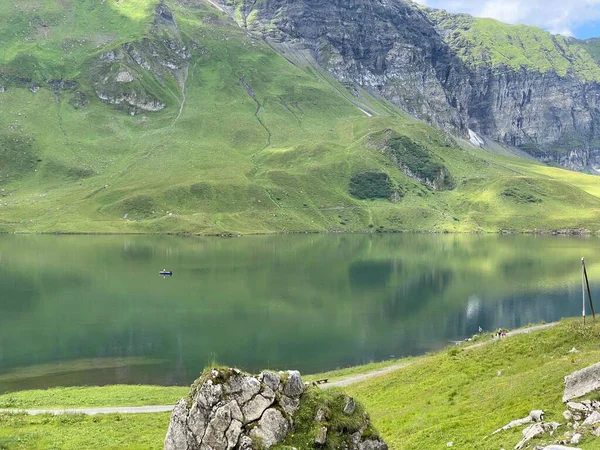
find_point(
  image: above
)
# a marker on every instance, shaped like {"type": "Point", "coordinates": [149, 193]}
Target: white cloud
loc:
{"type": "Point", "coordinates": [556, 16]}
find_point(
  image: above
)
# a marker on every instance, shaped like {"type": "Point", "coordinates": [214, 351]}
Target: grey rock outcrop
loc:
{"type": "Point", "coordinates": [536, 430]}
{"type": "Point", "coordinates": [592, 419]}
{"type": "Point", "coordinates": [578, 410]}
{"type": "Point", "coordinates": [350, 406]}
{"type": "Point", "coordinates": [321, 436]}
{"type": "Point", "coordinates": [536, 415]}
{"type": "Point", "coordinates": [118, 74]}
{"type": "Point", "coordinates": [272, 428]}
{"type": "Point", "coordinates": [407, 54]}
{"type": "Point", "coordinates": [229, 410]}
{"type": "Point", "coordinates": [582, 382]}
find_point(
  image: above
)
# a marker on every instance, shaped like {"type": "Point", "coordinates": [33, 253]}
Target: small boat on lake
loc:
{"type": "Point", "coordinates": [166, 273]}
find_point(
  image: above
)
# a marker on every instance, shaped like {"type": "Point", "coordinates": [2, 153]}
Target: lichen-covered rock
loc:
{"type": "Point", "coordinates": [321, 415]}
{"type": "Point", "coordinates": [372, 444]}
{"type": "Point", "coordinates": [529, 433]}
{"type": "Point", "coordinates": [293, 386]}
{"type": "Point", "coordinates": [124, 77]}
{"type": "Point", "coordinates": [177, 436]}
{"type": "Point", "coordinates": [321, 436]}
{"type": "Point", "coordinates": [578, 410]}
{"type": "Point", "coordinates": [350, 406]}
{"type": "Point", "coordinates": [228, 410]}
{"type": "Point", "coordinates": [592, 419]}
{"type": "Point", "coordinates": [559, 447]}
{"type": "Point", "coordinates": [289, 404]}
{"type": "Point", "coordinates": [272, 428]}
{"type": "Point", "coordinates": [254, 409]}
{"type": "Point", "coordinates": [582, 382]}
{"type": "Point", "coordinates": [271, 379]}
{"type": "Point", "coordinates": [215, 436]}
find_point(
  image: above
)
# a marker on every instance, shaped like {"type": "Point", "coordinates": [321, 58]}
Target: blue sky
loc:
{"type": "Point", "coordinates": [579, 18]}
{"type": "Point", "coordinates": [587, 30]}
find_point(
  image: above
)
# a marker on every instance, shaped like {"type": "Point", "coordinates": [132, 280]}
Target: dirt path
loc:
{"type": "Point", "coordinates": [93, 411]}
{"type": "Point", "coordinates": [365, 376]}
{"type": "Point", "coordinates": [516, 332]}
{"type": "Point", "coordinates": [376, 373]}
{"type": "Point", "coordinates": [167, 408]}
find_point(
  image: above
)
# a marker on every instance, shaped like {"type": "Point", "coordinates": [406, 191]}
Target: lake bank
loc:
{"type": "Point", "coordinates": [233, 234]}
{"type": "Point", "coordinates": [454, 395]}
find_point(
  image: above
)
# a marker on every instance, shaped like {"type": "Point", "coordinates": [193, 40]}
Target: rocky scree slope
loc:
{"type": "Point", "coordinates": [516, 85]}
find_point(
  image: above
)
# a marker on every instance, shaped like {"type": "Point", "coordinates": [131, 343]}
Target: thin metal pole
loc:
{"type": "Point", "coordinates": [589, 291]}
{"type": "Point", "coordinates": [583, 289]}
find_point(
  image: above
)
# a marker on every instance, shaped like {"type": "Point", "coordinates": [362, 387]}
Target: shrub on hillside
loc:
{"type": "Point", "coordinates": [520, 196]}
{"type": "Point", "coordinates": [370, 185]}
{"type": "Point", "coordinates": [418, 160]}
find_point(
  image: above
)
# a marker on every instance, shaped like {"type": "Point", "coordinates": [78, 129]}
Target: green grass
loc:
{"type": "Point", "coordinates": [113, 431]}
{"type": "Point", "coordinates": [339, 425]}
{"type": "Point", "coordinates": [480, 41]}
{"type": "Point", "coordinates": [593, 48]}
{"type": "Point", "coordinates": [458, 396]}
{"type": "Point", "coordinates": [82, 397]}
{"type": "Point", "coordinates": [258, 146]}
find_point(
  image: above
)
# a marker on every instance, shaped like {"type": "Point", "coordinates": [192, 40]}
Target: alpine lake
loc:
{"type": "Point", "coordinates": [93, 310]}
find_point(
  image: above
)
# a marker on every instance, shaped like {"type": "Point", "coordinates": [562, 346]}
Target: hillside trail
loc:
{"type": "Point", "coordinates": [340, 383]}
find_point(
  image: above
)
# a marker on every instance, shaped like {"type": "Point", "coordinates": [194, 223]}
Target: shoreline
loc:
{"type": "Point", "coordinates": [559, 232]}
{"type": "Point", "coordinates": [337, 378]}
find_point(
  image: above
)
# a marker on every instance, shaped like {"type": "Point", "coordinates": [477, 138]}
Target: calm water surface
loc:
{"type": "Point", "coordinates": [93, 310]}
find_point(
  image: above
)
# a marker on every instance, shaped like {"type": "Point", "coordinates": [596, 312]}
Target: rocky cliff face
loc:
{"type": "Point", "coordinates": [118, 74]}
{"type": "Point", "coordinates": [411, 56]}
{"type": "Point", "coordinates": [228, 410]}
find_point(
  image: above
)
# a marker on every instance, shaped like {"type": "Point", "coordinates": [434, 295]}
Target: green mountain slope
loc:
{"type": "Point", "coordinates": [135, 116]}
{"type": "Point", "coordinates": [488, 42]}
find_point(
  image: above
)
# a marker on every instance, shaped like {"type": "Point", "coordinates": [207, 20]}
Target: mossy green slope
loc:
{"type": "Point", "coordinates": [488, 42]}
{"type": "Point", "coordinates": [246, 142]}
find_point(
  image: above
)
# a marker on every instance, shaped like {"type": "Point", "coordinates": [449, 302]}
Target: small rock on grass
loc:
{"type": "Point", "coordinates": [321, 437]}
{"type": "Point", "coordinates": [557, 447]}
{"type": "Point", "coordinates": [592, 419]}
{"type": "Point", "coordinates": [350, 406]}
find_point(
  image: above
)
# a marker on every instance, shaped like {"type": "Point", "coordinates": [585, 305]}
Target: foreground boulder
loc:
{"type": "Point", "coordinates": [582, 382]}
{"type": "Point", "coordinates": [227, 409]}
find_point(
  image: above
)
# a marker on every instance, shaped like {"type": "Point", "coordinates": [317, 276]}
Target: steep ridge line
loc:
{"type": "Point", "coordinates": [167, 408]}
